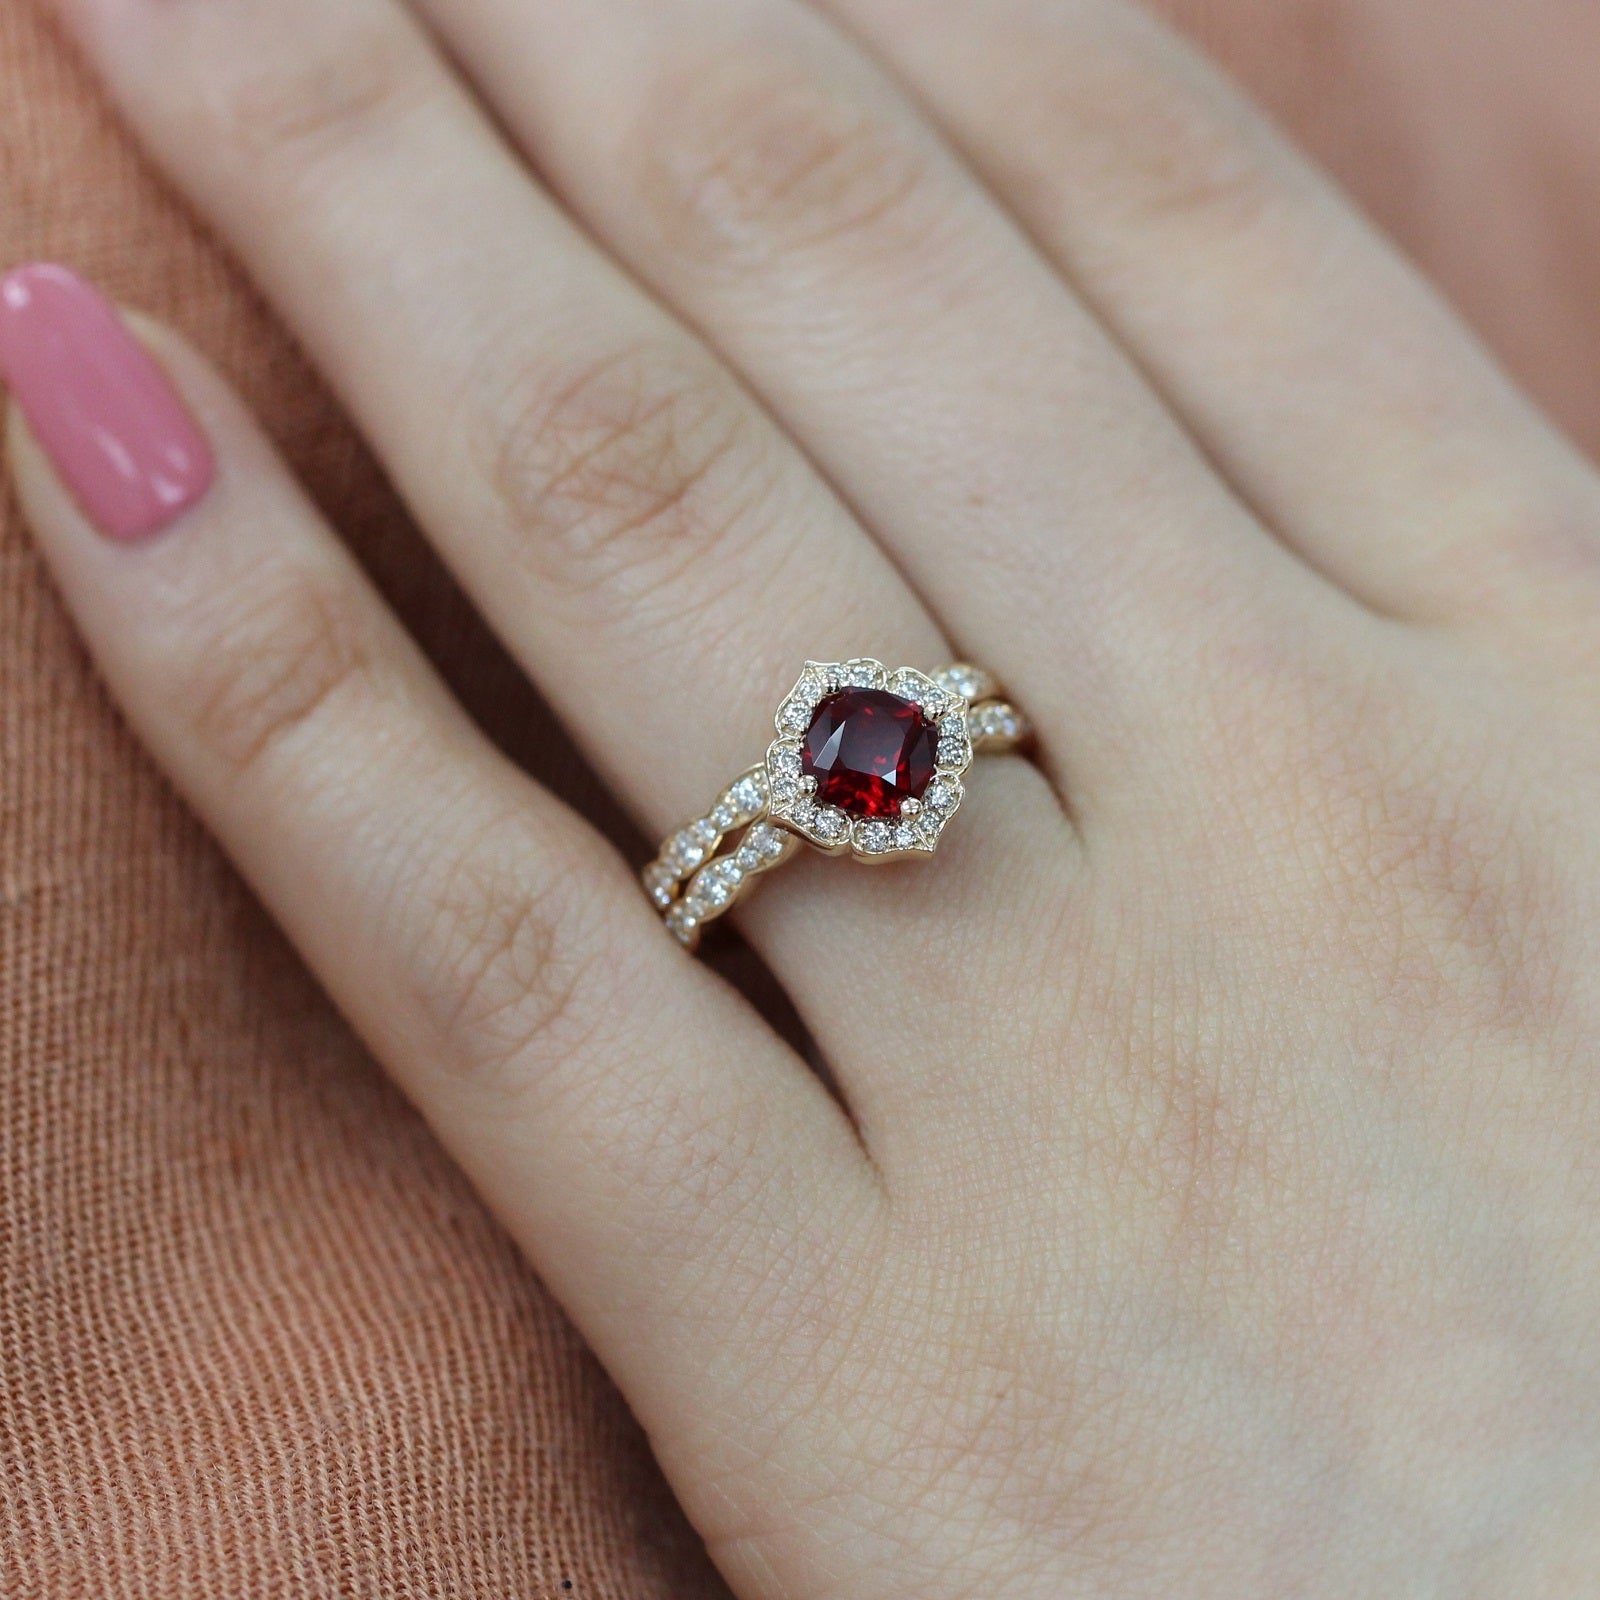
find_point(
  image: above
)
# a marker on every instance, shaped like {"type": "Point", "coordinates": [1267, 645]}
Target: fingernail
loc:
{"type": "Point", "coordinates": [116, 431]}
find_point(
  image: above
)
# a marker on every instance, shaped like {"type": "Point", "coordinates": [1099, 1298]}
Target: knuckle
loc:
{"type": "Point", "coordinates": [298, 106]}
{"type": "Point", "coordinates": [508, 962]}
{"type": "Point", "coordinates": [302, 646]}
{"type": "Point", "coordinates": [1199, 174]}
{"type": "Point", "coordinates": [748, 155]}
{"type": "Point", "coordinates": [1425, 853]}
{"type": "Point", "coordinates": [619, 477]}
{"type": "Point", "coordinates": [1469, 906]}
{"type": "Point", "coordinates": [1160, 147]}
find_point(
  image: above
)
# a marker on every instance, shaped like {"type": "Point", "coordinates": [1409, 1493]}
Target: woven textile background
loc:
{"type": "Point", "coordinates": [256, 1336]}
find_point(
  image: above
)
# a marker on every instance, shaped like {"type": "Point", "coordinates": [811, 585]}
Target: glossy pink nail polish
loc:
{"type": "Point", "coordinates": [117, 432]}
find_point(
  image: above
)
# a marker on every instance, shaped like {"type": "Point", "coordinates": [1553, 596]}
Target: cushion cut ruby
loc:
{"type": "Point", "coordinates": [870, 752]}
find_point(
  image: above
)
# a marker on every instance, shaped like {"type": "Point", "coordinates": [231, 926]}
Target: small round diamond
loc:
{"type": "Point", "coordinates": [920, 690]}
{"type": "Point", "coordinates": [749, 795]}
{"type": "Point", "coordinates": [713, 886]}
{"type": "Point", "coordinates": [875, 837]}
{"type": "Point", "coordinates": [796, 715]}
{"type": "Point", "coordinates": [966, 682]}
{"type": "Point", "coordinates": [743, 803]}
{"type": "Point", "coordinates": [906, 837]}
{"type": "Point", "coordinates": [995, 721]}
{"type": "Point", "coordinates": [832, 825]}
{"type": "Point", "coordinates": [805, 812]}
{"type": "Point", "coordinates": [685, 853]}
{"type": "Point", "coordinates": [768, 843]}
{"type": "Point", "coordinates": [763, 846]}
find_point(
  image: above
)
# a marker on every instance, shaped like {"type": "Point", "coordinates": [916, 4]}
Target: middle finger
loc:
{"type": "Point", "coordinates": [628, 519]}
{"type": "Point", "coordinates": [752, 164]}
{"type": "Point", "coordinates": [599, 481]}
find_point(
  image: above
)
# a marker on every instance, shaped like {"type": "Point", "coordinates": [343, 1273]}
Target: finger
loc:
{"type": "Point", "coordinates": [623, 514]}
{"type": "Point", "coordinates": [665, 1163]}
{"type": "Point", "coordinates": [754, 167]}
{"type": "Point", "coordinates": [1328, 380]}
{"type": "Point", "coordinates": [657, 553]}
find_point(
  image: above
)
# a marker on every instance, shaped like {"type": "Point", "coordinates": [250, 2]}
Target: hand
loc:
{"type": "Point", "coordinates": [1213, 1207]}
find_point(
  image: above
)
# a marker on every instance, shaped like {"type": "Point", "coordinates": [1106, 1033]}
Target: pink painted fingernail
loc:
{"type": "Point", "coordinates": [117, 432]}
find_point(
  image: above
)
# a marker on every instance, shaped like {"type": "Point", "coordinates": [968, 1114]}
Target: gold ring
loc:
{"type": "Point", "coordinates": [868, 762]}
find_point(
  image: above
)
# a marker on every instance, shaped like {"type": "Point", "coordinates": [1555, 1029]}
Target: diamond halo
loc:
{"type": "Point", "coordinates": [919, 824]}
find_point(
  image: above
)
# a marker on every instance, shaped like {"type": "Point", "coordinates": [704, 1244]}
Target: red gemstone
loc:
{"type": "Point", "coordinates": [870, 752]}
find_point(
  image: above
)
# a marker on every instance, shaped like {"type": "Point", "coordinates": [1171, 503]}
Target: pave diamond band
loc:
{"type": "Point", "coordinates": [743, 802]}
{"type": "Point", "coordinates": [868, 762]}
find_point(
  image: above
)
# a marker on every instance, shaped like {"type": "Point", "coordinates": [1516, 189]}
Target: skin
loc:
{"type": "Point", "coordinates": [1210, 1204]}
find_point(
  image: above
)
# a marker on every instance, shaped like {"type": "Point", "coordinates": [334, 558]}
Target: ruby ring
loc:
{"type": "Point", "coordinates": [868, 762]}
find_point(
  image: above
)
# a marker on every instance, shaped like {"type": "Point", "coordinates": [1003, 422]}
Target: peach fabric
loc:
{"type": "Point", "coordinates": [257, 1337]}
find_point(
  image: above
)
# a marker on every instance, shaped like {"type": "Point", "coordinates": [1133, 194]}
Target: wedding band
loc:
{"type": "Point", "coordinates": [868, 763]}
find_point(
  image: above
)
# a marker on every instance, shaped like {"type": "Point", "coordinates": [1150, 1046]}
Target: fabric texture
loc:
{"type": "Point", "coordinates": [257, 1337]}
